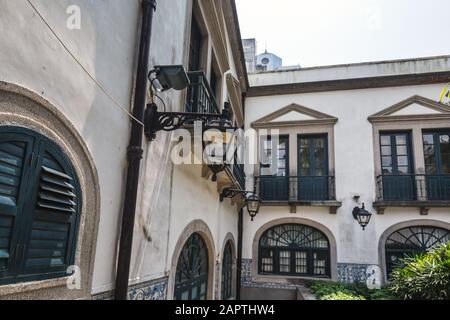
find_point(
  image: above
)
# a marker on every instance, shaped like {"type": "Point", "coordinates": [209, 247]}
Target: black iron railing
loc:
{"type": "Point", "coordinates": [413, 187]}
{"type": "Point", "coordinates": [239, 174]}
{"type": "Point", "coordinates": [200, 98]}
{"type": "Point", "coordinates": [295, 189]}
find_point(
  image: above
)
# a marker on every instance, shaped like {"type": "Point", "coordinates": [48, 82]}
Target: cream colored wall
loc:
{"type": "Point", "coordinates": [32, 57]}
{"type": "Point", "coordinates": [354, 167]}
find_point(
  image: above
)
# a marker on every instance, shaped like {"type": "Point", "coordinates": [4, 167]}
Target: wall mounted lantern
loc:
{"type": "Point", "coordinates": [170, 77]}
{"type": "Point", "coordinates": [362, 216]}
{"type": "Point", "coordinates": [175, 77]}
{"type": "Point", "coordinates": [252, 201]}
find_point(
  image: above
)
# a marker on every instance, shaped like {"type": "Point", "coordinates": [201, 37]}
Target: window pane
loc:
{"type": "Point", "coordinates": [386, 151]}
{"type": "Point", "coordinates": [386, 161]}
{"type": "Point", "coordinates": [400, 139]}
{"type": "Point", "coordinates": [387, 170]}
{"type": "Point", "coordinates": [428, 149]}
{"type": "Point", "coordinates": [402, 151]}
{"type": "Point", "coordinates": [402, 161]}
{"type": "Point", "coordinates": [319, 264]}
{"type": "Point", "coordinates": [428, 139]}
{"type": "Point", "coordinates": [285, 261]}
{"type": "Point", "coordinates": [403, 170]}
{"type": "Point", "coordinates": [385, 140]}
{"type": "Point", "coordinates": [301, 262]}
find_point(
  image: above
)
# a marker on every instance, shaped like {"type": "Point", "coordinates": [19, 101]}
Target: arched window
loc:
{"type": "Point", "coordinates": [294, 249]}
{"type": "Point", "coordinates": [410, 241]}
{"type": "Point", "coordinates": [191, 279]}
{"type": "Point", "coordinates": [39, 207]}
{"type": "Point", "coordinates": [227, 271]}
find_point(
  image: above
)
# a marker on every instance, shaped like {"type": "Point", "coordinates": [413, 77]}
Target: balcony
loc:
{"type": "Point", "coordinates": [414, 190]}
{"type": "Point", "coordinates": [200, 97]}
{"type": "Point", "coordinates": [298, 191]}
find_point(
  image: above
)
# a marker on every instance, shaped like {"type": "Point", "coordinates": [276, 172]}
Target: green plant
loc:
{"type": "Point", "coordinates": [341, 296]}
{"type": "Point", "coordinates": [425, 276]}
{"type": "Point", "coordinates": [325, 290]}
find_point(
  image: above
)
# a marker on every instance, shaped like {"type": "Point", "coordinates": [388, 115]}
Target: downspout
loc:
{"type": "Point", "coordinates": [239, 255]}
{"type": "Point", "coordinates": [134, 153]}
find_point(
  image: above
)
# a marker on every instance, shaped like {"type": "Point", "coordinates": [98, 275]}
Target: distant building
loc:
{"type": "Point", "coordinates": [268, 62]}
{"type": "Point", "coordinates": [249, 46]}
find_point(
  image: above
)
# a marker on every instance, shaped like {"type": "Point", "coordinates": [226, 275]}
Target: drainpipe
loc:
{"type": "Point", "coordinates": [134, 153]}
{"type": "Point", "coordinates": [239, 255]}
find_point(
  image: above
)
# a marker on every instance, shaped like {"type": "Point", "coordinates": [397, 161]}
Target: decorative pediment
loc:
{"type": "Point", "coordinates": [294, 115]}
{"type": "Point", "coordinates": [414, 108]}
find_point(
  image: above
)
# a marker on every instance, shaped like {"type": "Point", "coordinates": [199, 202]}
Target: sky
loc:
{"type": "Point", "coordinates": [326, 32]}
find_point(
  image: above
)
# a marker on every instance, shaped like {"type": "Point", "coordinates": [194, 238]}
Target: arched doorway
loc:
{"type": "Point", "coordinates": [227, 272]}
{"type": "Point", "coordinates": [410, 241]}
{"type": "Point", "coordinates": [191, 279]}
{"type": "Point", "coordinates": [294, 250]}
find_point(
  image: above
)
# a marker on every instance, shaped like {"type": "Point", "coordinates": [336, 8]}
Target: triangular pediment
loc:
{"type": "Point", "coordinates": [414, 108]}
{"type": "Point", "coordinates": [293, 115]}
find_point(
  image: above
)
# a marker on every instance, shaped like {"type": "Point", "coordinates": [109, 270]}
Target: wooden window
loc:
{"type": "Point", "coordinates": [39, 207]}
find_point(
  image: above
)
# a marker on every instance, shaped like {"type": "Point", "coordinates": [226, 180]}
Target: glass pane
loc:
{"type": "Point", "coordinates": [386, 161]}
{"type": "Point", "coordinates": [445, 153]}
{"type": "Point", "coordinates": [428, 149]}
{"type": "Point", "coordinates": [304, 143]}
{"type": "Point", "coordinates": [402, 161]}
{"type": "Point", "coordinates": [385, 140]}
{"type": "Point", "coordinates": [387, 170]}
{"type": "Point", "coordinates": [194, 293]}
{"type": "Point", "coordinates": [319, 265]}
{"type": "Point", "coordinates": [400, 140]}
{"type": "Point", "coordinates": [428, 139]}
{"type": "Point", "coordinates": [185, 295]}
{"type": "Point", "coordinates": [402, 151]}
{"type": "Point", "coordinates": [301, 263]}
{"type": "Point", "coordinates": [403, 170]}
{"type": "Point", "coordinates": [386, 151]}
{"type": "Point", "coordinates": [444, 139]}
{"type": "Point", "coordinates": [285, 261]}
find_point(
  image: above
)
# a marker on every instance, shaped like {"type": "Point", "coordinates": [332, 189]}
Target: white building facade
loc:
{"type": "Point", "coordinates": [375, 134]}
{"type": "Point", "coordinates": [67, 87]}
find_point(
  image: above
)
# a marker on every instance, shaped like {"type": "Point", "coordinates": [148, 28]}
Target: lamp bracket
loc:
{"type": "Point", "coordinates": [155, 121]}
{"type": "Point", "coordinates": [231, 193]}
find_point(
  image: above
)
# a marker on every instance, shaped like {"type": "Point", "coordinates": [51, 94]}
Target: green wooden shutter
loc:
{"type": "Point", "coordinates": [50, 246]}
{"type": "Point", "coordinates": [14, 152]}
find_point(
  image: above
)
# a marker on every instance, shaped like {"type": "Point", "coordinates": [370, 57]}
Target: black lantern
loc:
{"type": "Point", "coordinates": [253, 203]}
{"type": "Point", "coordinates": [362, 215]}
{"type": "Point", "coordinates": [252, 200]}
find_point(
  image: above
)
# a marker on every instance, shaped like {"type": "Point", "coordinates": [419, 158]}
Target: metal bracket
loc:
{"type": "Point", "coordinates": [231, 193]}
{"type": "Point", "coordinates": [155, 121]}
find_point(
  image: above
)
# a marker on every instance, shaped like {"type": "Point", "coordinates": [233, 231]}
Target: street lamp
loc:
{"type": "Point", "coordinates": [362, 216]}
{"type": "Point", "coordinates": [170, 77]}
{"type": "Point", "coordinates": [252, 201]}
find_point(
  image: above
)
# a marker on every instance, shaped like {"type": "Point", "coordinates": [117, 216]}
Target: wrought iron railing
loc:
{"type": "Point", "coordinates": [239, 174]}
{"type": "Point", "coordinates": [295, 189]}
{"type": "Point", "coordinates": [413, 187]}
{"type": "Point", "coordinates": [200, 98]}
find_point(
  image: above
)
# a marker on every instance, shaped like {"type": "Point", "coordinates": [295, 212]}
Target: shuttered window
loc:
{"type": "Point", "coordinates": [39, 207]}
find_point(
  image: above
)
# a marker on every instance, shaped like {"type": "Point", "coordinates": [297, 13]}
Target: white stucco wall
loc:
{"type": "Point", "coordinates": [32, 57]}
{"type": "Point", "coordinates": [106, 45]}
{"type": "Point", "coordinates": [354, 167]}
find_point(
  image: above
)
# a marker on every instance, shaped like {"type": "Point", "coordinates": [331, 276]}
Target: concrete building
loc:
{"type": "Point", "coordinates": [374, 133]}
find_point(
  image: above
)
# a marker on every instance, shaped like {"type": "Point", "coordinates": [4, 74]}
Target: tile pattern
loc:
{"type": "Point", "coordinates": [151, 290]}
{"type": "Point", "coordinates": [350, 273]}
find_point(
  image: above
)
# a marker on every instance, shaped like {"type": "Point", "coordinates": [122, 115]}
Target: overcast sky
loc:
{"type": "Point", "coordinates": [323, 32]}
